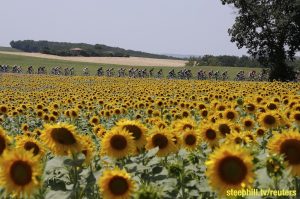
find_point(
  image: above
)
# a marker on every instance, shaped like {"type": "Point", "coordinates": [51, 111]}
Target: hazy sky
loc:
{"type": "Point", "coordinates": [158, 26]}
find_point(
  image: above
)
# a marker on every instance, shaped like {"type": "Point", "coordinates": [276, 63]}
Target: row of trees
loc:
{"type": "Point", "coordinates": [224, 60]}
{"type": "Point", "coordinates": [79, 49]}
{"type": "Point", "coordinates": [233, 61]}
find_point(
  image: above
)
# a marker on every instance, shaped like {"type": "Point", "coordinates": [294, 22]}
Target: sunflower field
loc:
{"type": "Point", "coordinates": [119, 138]}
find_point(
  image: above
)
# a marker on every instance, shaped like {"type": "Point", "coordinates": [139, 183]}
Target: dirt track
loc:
{"type": "Point", "coordinates": [133, 61]}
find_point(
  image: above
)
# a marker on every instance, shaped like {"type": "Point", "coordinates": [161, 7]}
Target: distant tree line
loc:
{"type": "Point", "coordinates": [223, 60]}
{"type": "Point", "coordinates": [233, 61]}
{"type": "Point", "coordinates": [79, 49]}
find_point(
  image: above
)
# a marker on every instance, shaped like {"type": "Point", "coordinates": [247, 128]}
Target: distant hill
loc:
{"type": "Point", "coordinates": [80, 49]}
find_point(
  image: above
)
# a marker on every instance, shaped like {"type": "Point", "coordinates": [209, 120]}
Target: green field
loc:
{"type": "Point", "coordinates": [78, 66]}
{"type": "Point", "coordinates": [9, 49]}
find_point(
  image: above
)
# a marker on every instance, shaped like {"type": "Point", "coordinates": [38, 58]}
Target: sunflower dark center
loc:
{"type": "Point", "coordinates": [211, 134]}
{"type": "Point", "coordinates": [63, 136]}
{"type": "Point", "coordinates": [2, 144]}
{"type": "Point", "coordinates": [85, 152]}
{"type": "Point", "coordinates": [204, 113]}
{"type": "Point", "coordinates": [20, 173]}
{"type": "Point", "coordinates": [290, 148]}
{"type": "Point", "coordinates": [230, 115]}
{"type": "Point", "coordinates": [238, 140]}
{"type": "Point", "coordinates": [269, 119]}
{"type": "Point", "coordinates": [221, 108]}
{"type": "Point", "coordinates": [213, 120]}
{"type": "Point", "coordinates": [190, 139]}
{"type": "Point", "coordinates": [259, 99]}
{"type": "Point", "coordinates": [160, 141]}
{"type": "Point", "coordinates": [32, 146]}
{"type": "Point", "coordinates": [3, 109]}
{"type": "Point", "coordinates": [185, 114]}
{"type": "Point", "coordinates": [94, 120]}
{"type": "Point", "coordinates": [135, 130]}
{"type": "Point", "coordinates": [118, 185]}
{"type": "Point", "coordinates": [260, 132]}
{"type": "Point", "coordinates": [201, 106]}
{"type": "Point", "coordinates": [224, 129]}
{"type": "Point", "coordinates": [272, 106]}
{"type": "Point", "coordinates": [248, 123]}
{"type": "Point", "coordinates": [187, 126]}
{"type": "Point", "coordinates": [118, 142]}
{"type": "Point", "coordinates": [251, 107]}
{"type": "Point", "coordinates": [297, 116]}
{"type": "Point", "coordinates": [232, 170]}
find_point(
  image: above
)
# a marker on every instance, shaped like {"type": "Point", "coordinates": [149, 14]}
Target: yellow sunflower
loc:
{"type": "Point", "coordinates": [137, 130]}
{"type": "Point", "coordinates": [183, 124]}
{"type": "Point", "coordinates": [230, 114]}
{"type": "Point", "coordinates": [99, 130]}
{"type": "Point", "coordinates": [20, 173]}
{"type": "Point", "coordinates": [37, 132]}
{"type": "Point", "coordinates": [236, 138]}
{"type": "Point", "coordinates": [190, 139]}
{"type": "Point", "coordinates": [268, 119]}
{"type": "Point", "coordinates": [30, 144]}
{"type": "Point", "coordinates": [116, 184]}
{"type": "Point", "coordinates": [260, 132]}
{"type": "Point", "coordinates": [250, 107]}
{"type": "Point", "coordinates": [221, 107]}
{"type": "Point", "coordinates": [295, 117]}
{"type": "Point", "coordinates": [74, 113]}
{"type": "Point", "coordinates": [61, 139]}
{"type": "Point", "coordinates": [163, 139]}
{"type": "Point", "coordinates": [248, 123]}
{"type": "Point", "coordinates": [3, 109]}
{"type": "Point", "coordinates": [117, 143]}
{"type": "Point", "coordinates": [236, 127]}
{"type": "Point", "coordinates": [250, 136]}
{"type": "Point", "coordinates": [88, 148]}
{"type": "Point", "coordinates": [161, 124]}
{"type": "Point", "coordinates": [25, 127]}
{"type": "Point", "coordinates": [209, 134]}
{"type": "Point", "coordinates": [287, 144]}
{"type": "Point", "coordinates": [94, 120]}
{"type": "Point", "coordinates": [224, 127]}
{"type": "Point", "coordinates": [272, 106]}
{"type": "Point", "coordinates": [4, 141]}
{"type": "Point", "coordinates": [204, 113]}
{"type": "Point", "coordinates": [230, 167]}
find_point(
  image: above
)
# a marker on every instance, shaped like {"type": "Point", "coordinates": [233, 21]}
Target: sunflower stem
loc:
{"type": "Point", "coordinates": [75, 176]}
{"type": "Point", "coordinates": [182, 185]}
{"type": "Point", "coordinates": [276, 183]}
{"type": "Point", "coordinates": [297, 186]}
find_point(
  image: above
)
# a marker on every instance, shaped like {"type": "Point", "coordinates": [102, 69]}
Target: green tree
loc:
{"type": "Point", "coordinates": [270, 30]}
